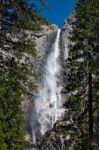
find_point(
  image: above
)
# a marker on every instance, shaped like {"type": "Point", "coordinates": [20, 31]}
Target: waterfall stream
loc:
{"type": "Point", "coordinates": [48, 105]}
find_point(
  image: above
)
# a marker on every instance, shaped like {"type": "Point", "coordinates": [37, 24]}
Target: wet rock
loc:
{"type": "Point", "coordinates": [58, 138]}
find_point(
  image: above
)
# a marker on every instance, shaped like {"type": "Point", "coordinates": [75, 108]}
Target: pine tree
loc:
{"type": "Point", "coordinates": [81, 62]}
{"type": "Point", "coordinates": [16, 17]}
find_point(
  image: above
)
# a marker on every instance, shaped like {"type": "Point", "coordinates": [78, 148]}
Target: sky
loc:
{"type": "Point", "coordinates": [58, 10]}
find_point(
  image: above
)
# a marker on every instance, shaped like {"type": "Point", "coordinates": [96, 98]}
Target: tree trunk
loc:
{"type": "Point", "coordinates": [90, 99]}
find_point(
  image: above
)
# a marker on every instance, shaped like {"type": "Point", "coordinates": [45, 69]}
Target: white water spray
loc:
{"type": "Point", "coordinates": [48, 104]}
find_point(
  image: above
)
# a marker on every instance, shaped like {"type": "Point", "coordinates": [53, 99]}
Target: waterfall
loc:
{"type": "Point", "coordinates": [48, 104]}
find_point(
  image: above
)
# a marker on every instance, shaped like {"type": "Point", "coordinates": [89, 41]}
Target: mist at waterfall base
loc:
{"type": "Point", "coordinates": [48, 107]}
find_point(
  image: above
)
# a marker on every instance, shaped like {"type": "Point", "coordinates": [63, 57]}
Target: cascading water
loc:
{"type": "Point", "coordinates": [48, 104]}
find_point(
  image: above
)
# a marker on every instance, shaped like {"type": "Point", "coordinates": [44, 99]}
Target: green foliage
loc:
{"type": "Point", "coordinates": [20, 19]}
{"type": "Point", "coordinates": [83, 62]}
{"type": "Point", "coordinates": [11, 116]}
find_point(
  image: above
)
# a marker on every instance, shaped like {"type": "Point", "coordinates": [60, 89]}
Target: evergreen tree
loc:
{"type": "Point", "coordinates": [16, 17]}
{"type": "Point", "coordinates": [11, 116]}
{"type": "Point", "coordinates": [82, 60]}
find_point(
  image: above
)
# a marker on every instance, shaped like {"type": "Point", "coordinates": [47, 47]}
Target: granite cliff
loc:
{"type": "Point", "coordinates": [56, 138]}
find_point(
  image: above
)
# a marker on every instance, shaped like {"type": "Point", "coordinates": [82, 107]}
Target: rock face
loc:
{"type": "Point", "coordinates": [57, 138]}
{"type": "Point", "coordinates": [44, 42]}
